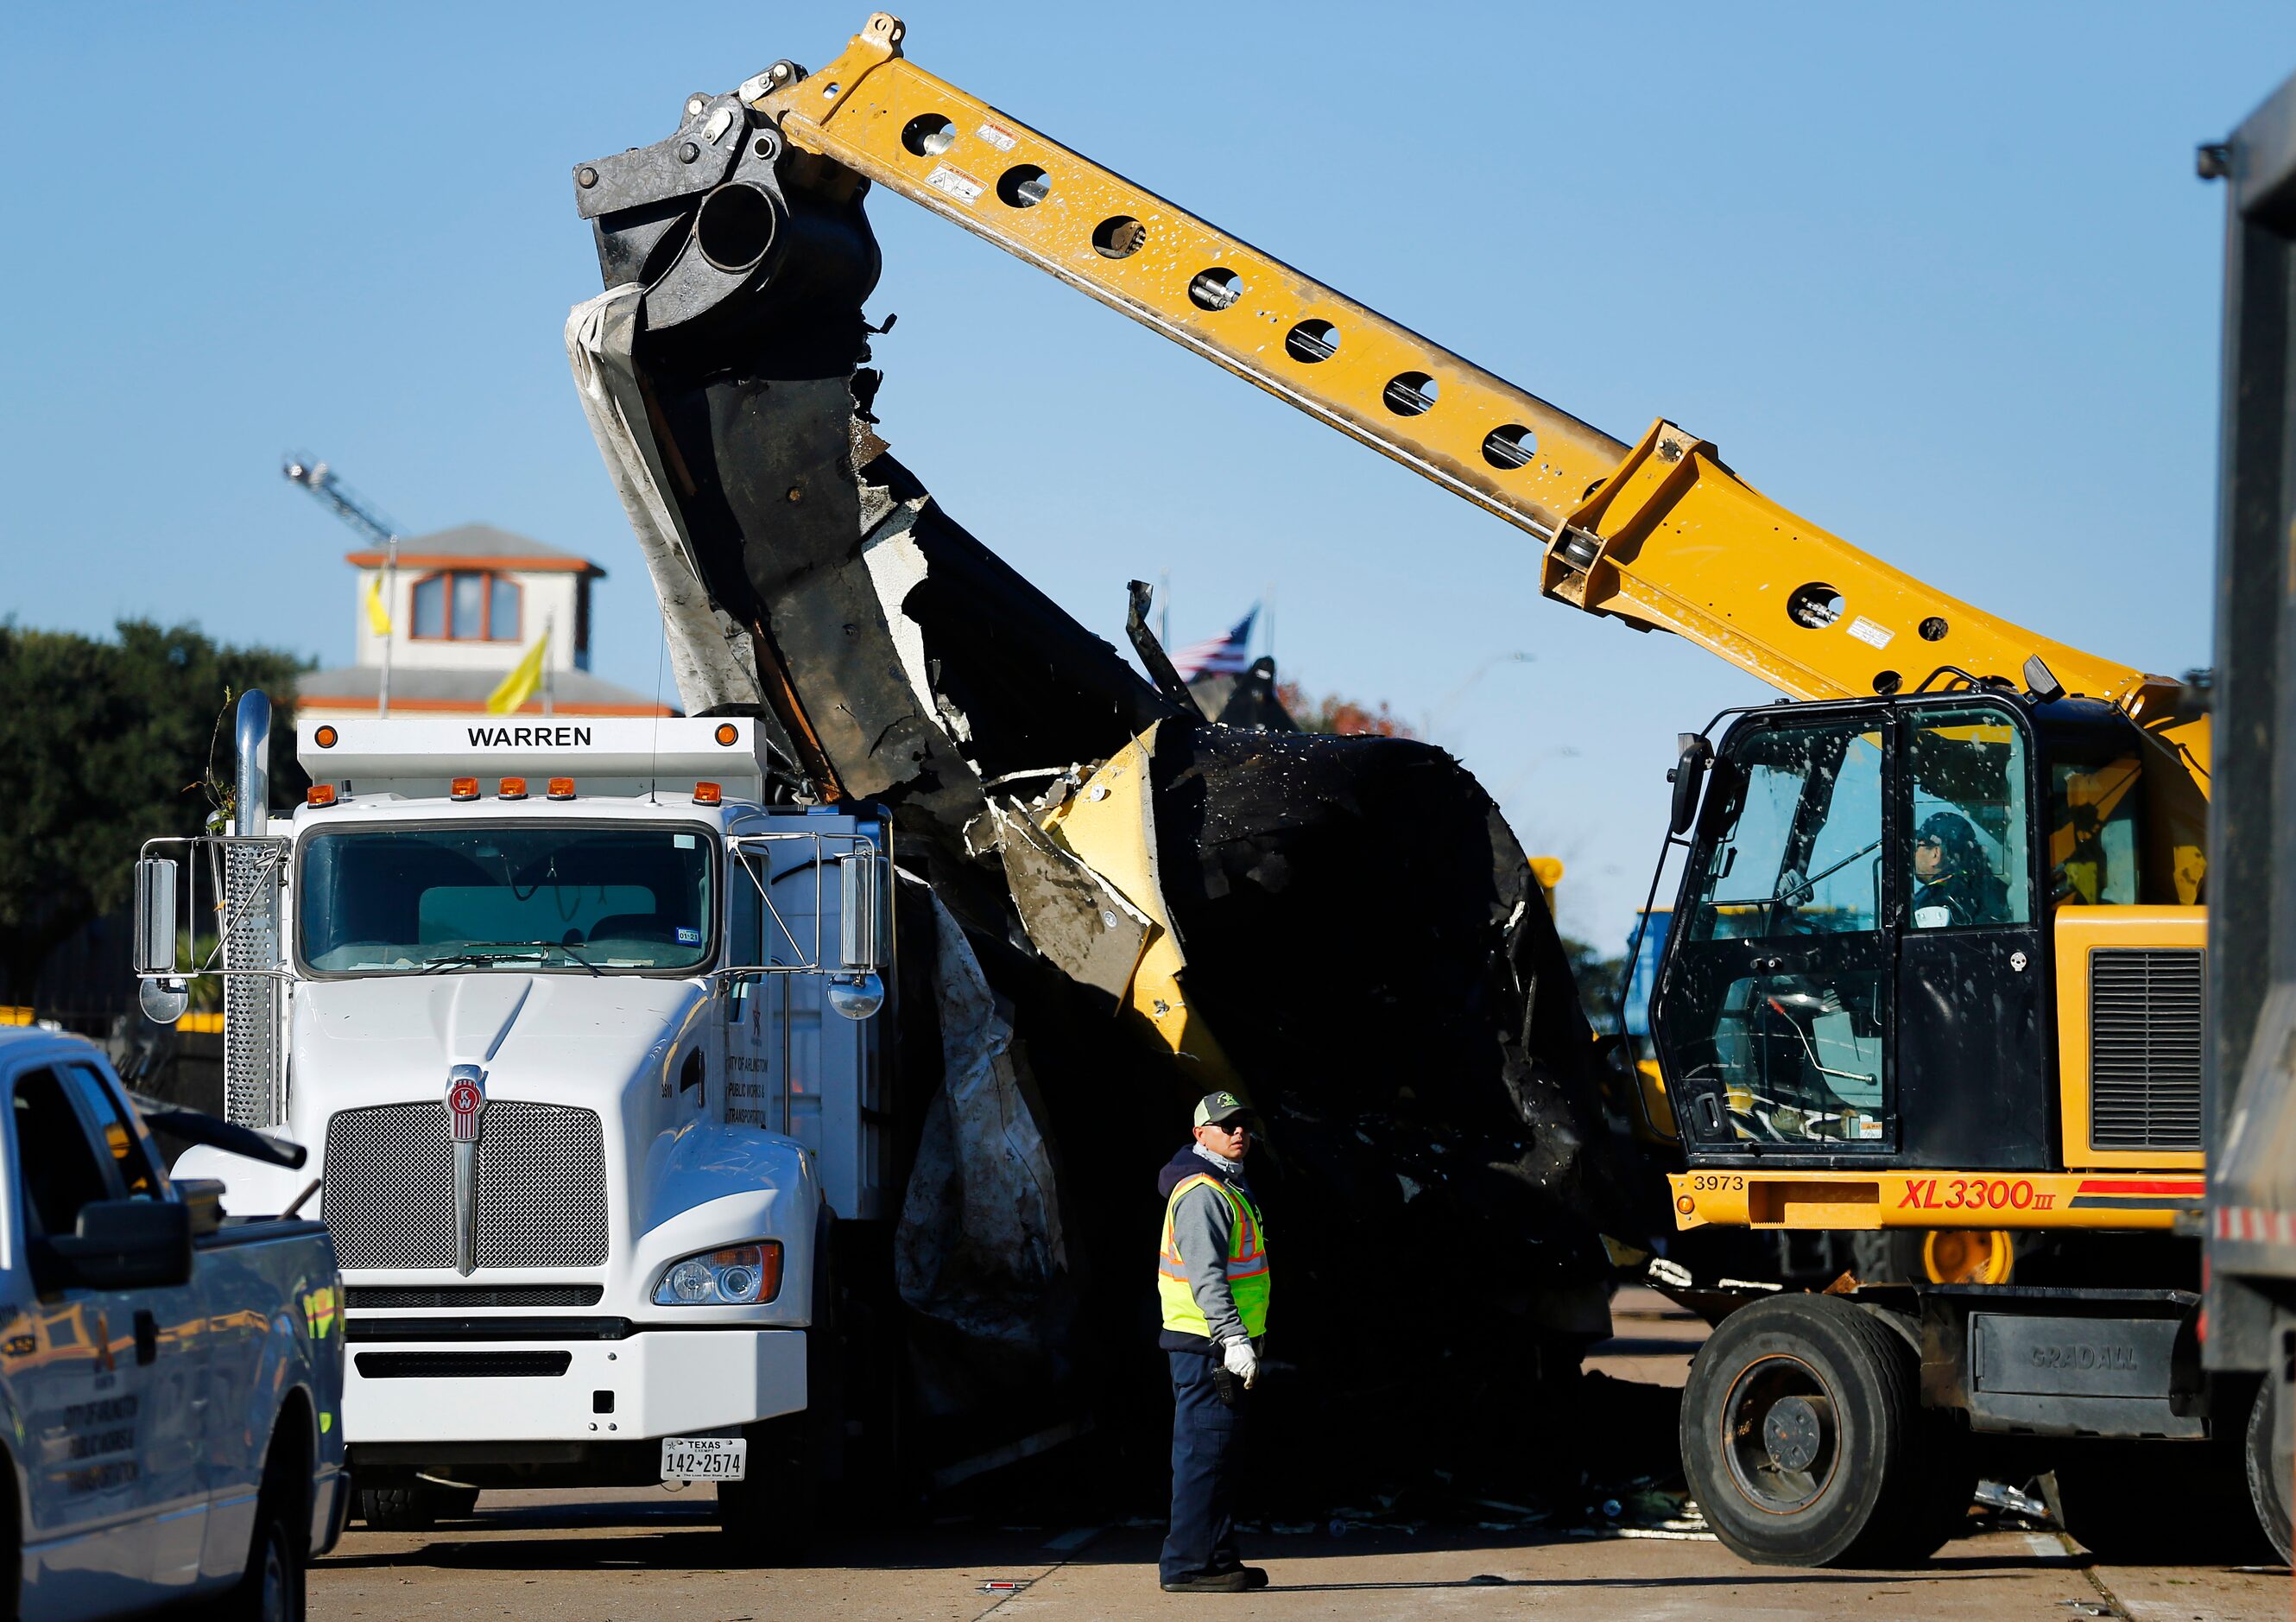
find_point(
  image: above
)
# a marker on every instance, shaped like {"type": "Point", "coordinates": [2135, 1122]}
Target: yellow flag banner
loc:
{"type": "Point", "coordinates": [524, 680]}
{"type": "Point", "coordinates": [378, 617]}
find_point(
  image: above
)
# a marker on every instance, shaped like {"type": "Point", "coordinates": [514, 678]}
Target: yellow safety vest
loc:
{"type": "Point", "coordinates": [1247, 1266]}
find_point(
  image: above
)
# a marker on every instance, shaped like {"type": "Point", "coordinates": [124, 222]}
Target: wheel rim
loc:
{"type": "Point", "coordinates": [275, 1582]}
{"type": "Point", "coordinates": [1969, 1255]}
{"type": "Point", "coordinates": [1779, 1435]}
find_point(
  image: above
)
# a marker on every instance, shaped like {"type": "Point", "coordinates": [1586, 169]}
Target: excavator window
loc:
{"type": "Point", "coordinates": [1805, 813]}
{"type": "Point", "coordinates": [1966, 862]}
{"type": "Point", "coordinates": [1776, 1010]}
{"type": "Point", "coordinates": [2092, 844]}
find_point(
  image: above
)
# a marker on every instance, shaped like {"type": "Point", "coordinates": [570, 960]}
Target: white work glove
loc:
{"type": "Point", "coordinates": [1237, 1357]}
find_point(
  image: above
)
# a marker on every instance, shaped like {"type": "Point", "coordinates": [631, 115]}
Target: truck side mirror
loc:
{"type": "Point", "coordinates": [122, 1244]}
{"type": "Point", "coordinates": [858, 990]}
{"type": "Point", "coordinates": [155, 917]}
{"type": "Point", "coordinates": [857, 907]}
{"type": "Point", "coordinates": [1688, 777]}
{"type": "Point", "coordinates": [153, 949]}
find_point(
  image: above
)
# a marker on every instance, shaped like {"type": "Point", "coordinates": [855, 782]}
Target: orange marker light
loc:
{"type": "Point", "coordinates": [1686, 1205]}
{"type": "Point", "coordinates": [728, 733]}
{"type": "Point", "coordinates": [707, 793]}
{"type": "Point", "coordinates": [324, 738]}
{"type": "Point", "coordinates": [319, 794]}
{"type": "Point", "coordinates": [463, 789]}
{"type": "Point", "coordinates": [510, 788]}
{"type": "Point", "coordinates": [562, 789]}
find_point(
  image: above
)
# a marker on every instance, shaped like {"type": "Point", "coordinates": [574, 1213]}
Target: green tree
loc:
{"type": "Point", "coordinates": [103, 745]}
{"type": "Point", "coordinates": [1601, 982]}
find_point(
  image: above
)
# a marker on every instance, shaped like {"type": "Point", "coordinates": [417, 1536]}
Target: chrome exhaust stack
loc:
{"type": "Point", "coordinates": [251, 728]}
{"type": "Point", "coordinates": [253, 1092]}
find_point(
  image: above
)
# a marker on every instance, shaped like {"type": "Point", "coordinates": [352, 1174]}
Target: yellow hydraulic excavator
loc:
{"type": "Point", "coordinates": [1936, 962]}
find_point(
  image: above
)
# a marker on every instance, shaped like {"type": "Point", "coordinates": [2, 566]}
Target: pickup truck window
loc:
{"type": "Point", "coordinates": [119, 1134]}
{"type": "Point", "coordinates": [62, 1172]}
{"type": "Point", "coordinates": [506, 896]}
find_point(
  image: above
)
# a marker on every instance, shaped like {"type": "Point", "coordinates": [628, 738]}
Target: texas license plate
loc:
{"type": "Point", "coordinates": [704, 1458]}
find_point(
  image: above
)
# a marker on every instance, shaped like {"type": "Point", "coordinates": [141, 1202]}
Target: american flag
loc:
{"type": "Point", "coordinates": [1226, 655]}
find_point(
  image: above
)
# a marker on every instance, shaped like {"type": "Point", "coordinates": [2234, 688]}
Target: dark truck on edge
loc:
{"type": "Point", "coordinates": [170, 1379]}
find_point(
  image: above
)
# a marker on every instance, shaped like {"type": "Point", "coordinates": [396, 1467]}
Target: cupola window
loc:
{"type": "Point", "coordinates": [467, 607]}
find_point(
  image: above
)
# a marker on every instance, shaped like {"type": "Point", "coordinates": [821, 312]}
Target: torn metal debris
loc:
{"type": "Point", "coordinates": [1119, 903]}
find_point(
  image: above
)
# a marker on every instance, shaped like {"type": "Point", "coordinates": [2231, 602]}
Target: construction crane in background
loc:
{"type": "Point", "coordinates": [358, 512]}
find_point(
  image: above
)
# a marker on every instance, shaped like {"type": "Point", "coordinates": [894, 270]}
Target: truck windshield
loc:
{"type": "Point", "coordinates": [503, 896]}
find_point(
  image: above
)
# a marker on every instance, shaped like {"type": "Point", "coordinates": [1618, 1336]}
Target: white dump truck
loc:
{"type": "Point", "coordinates": [584, 1039]}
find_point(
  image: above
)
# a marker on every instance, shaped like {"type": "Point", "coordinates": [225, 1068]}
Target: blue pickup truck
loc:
{"type": "Point", "coordinates": [170, 1378]}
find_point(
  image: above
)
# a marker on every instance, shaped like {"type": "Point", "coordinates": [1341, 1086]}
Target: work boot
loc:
{"type": "Point", "coordinates": [1236, 1579]}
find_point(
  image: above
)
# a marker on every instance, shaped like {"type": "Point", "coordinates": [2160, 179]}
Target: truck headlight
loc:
{"type": "Point", "coordinates": [740, 1275]}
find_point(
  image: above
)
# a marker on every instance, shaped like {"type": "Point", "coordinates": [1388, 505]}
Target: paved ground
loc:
{"type": "Point", "coordinates": [631, 1555]}
{"type": "Point", "coordinates": [625, 1555]}
{"type": "Point", "coordinates": [1654, 1339]}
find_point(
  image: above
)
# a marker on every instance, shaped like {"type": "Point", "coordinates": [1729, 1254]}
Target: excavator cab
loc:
{"type": "Point", "coordinates": [1860, 969]}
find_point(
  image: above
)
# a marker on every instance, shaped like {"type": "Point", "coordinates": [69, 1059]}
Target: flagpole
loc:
{"type": "Point", "coordinates": [389, 620]}
{"type": "Point", "coordinates": [548, 623]}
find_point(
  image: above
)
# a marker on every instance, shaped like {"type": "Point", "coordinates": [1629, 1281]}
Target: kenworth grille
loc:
{"type": "Point", "coordinates": [541, 1189]}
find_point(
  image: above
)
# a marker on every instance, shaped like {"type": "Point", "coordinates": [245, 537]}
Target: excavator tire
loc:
{"type": "Point", "coordinates": [1802, 1437]}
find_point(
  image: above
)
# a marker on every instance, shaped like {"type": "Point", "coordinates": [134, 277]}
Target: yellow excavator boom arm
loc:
{"type": "Point", "coordinates": [1661, 533]}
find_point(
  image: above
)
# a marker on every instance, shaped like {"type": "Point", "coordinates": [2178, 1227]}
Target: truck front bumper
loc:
{"type": "Point", "coordinates": [651, 1383]}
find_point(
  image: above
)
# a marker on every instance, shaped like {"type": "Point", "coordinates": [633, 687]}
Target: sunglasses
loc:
{"type": "Point", "coordinates": [1232, 1129]}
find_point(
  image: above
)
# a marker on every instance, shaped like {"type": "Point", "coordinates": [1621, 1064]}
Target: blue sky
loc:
{"type": "Point", "coordinates": [1940, 279]}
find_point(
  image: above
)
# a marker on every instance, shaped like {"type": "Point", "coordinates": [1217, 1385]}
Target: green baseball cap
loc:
{"type": "Point", "coordinates": [1215, 1107]}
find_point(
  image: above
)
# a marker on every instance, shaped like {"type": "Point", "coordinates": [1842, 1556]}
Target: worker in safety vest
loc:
{"type": "Point", "coordinates": [1211, 1275]}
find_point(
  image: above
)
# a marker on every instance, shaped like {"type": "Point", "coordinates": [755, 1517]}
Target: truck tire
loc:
{"type": "Point", "coordinates": [1801, 1437]}
{"type": "Point", "coordinates": [451, 1502]}
{"type": "Point", "coordinates": [1935, 1256]}
{"type": "Point", "coordinates": [769, 1519]}
{"type": "Point", "coordinates": [2166, 1504]}
{"type": "Point", "coordinates": [773, 1517]}
{"type": "Point", "coordinates": [415, 1508]}
{"type": "Point", "coordinates": [271, 1588]}
{"type": "Point", "coordinates": [2268, 1479]}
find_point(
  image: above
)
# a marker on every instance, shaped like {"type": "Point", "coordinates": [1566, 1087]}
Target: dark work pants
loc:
{"type": "Point", "coordinates": [1207, 1434]}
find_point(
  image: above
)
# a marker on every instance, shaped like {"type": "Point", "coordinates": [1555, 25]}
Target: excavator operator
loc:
{"type": "Point", "coordinates": [1953, 883]}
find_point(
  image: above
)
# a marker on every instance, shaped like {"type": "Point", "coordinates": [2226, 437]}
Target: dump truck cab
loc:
{"type": "Point", "coordinates": [580, 1029]}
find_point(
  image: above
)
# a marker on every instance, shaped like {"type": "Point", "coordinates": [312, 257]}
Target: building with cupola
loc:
{"type": "Point", "coordinates": [465, 606]}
